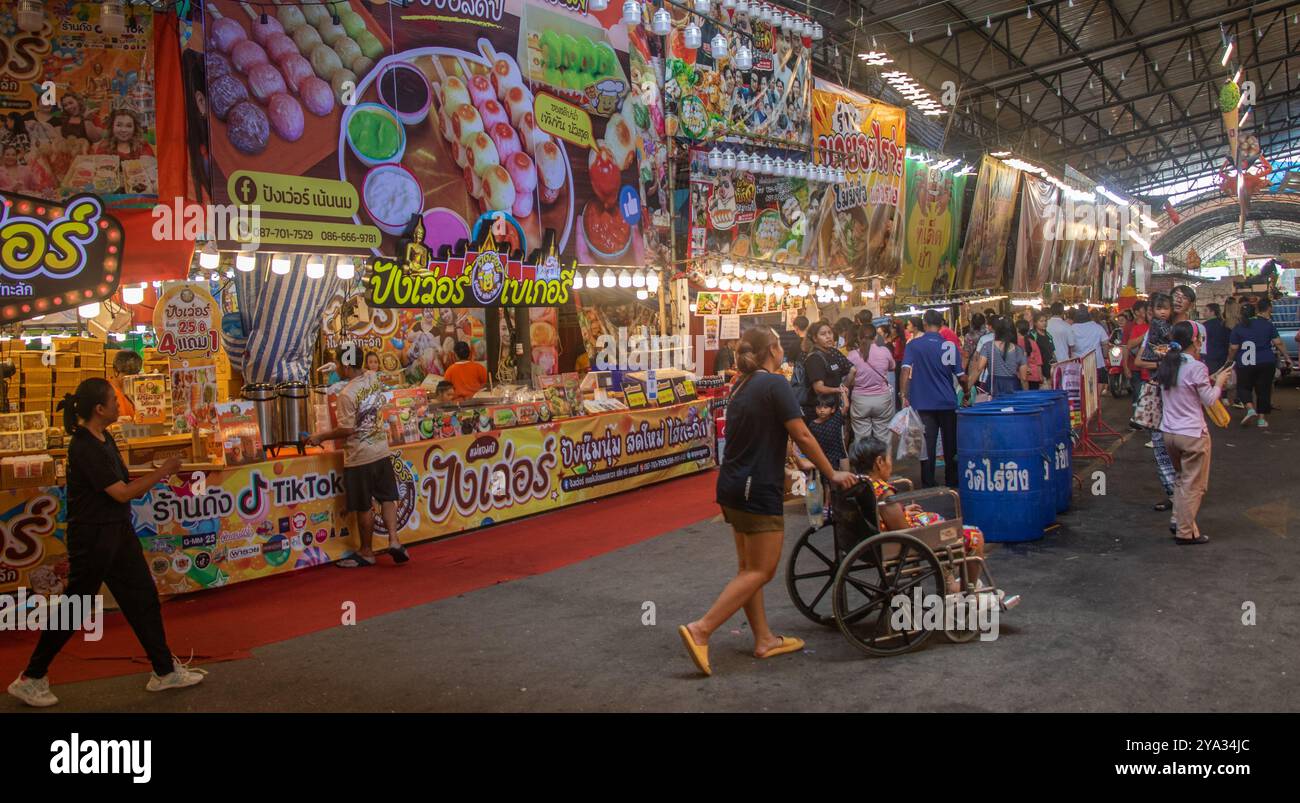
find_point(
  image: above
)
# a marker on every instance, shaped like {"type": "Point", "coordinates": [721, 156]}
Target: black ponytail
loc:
{"type": "Point", "coordinates": [1180, 340]}
{"type": "Point", "coordinates": [80, 406]}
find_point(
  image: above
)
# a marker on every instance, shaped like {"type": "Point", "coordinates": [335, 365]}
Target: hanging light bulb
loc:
{"type": "Point", "coordinates": [315, 268]}
{"type": "Point", "coordinates": [642, 295]}
{"type": "Point", "coordinates": [133, 294]}
{"type": "Point", "coordinates": [578, 283]}
{"type": "Point", "coordinates": [762, 275]}
{"type": "Point", "coordinates": [245, 261]}
{"type": "Point", "coordinates": [779, 291]}
{"type": "Point", "coordinates": [209, 257]}
{"type": "Point", "coordinates": [593, 279]}
{"type": "Point", "coordinates": [608, 279]}
{"type": "Point", "coordinates": [652, 281]}
{"type": "Point", "coordinates": [597, 5]}
{"type": "Point", "coordinates": [727, 268]}
{"type": "Point", "coordinates": [692, 38]}
{"type": "Point", "coordinates": [30, 15]}
{"type": "Point", "coordinates": [728, 160]}
{"type": "Point", "coordinates": [818, 32]}
{"type": "Point", "coordinates": [632, 12]}
{"type": "Point", "coordinates": [112, 17]}
{"type": "Point", "coordinates": [710, 281]}
{"type": "Point", "coordinates": [638, 278]}
{"type": "Point", "coordinates": [724, 284]}
{"type": "Point", "coordinates": [662, 22]}
{"type": "Point", "coordinates": [718, 44]}
{"type": "Point", "coordinates": [715, 159]}
{"type": "Point", "coordinates": [624, 279]}
{"type": "Point", "coordinates": [743, 162]}
{"type": "Point", "coordinates": [729, 5]}
{"type": "Point", "coordinates": [751, 274]}
{"type": "Point", "coordinates": [89, 310]}
{"type": "Point", "coordinates": [345, 268]}
{"type": "Point", "coordinates": [768, 166]}
{"type": "Point", "coordinates": [744, 58]}
{"type": "Point", "coordinates": [280, 264]}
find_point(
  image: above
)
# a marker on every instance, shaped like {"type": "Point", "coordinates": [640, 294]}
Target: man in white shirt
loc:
{"type": "Point", "coordinates": [1089, 337]}
{"type": "Point", "coordinates": [1060, 332]}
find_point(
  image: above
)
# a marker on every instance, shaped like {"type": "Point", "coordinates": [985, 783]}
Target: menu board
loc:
{"type": "Point", "coordinates": [711, 302]}
{"type": "Point", "coordinates": [194, 395]}
{"type": "Point", "coordinates": [708, 98]}
{"type": "Point", "coordinates": [240, 437]}
{"type": "Point", "coordinates": [187, 320]}
{"type": "Point", "coordinates": [149, 393]}
{"type": "Point", "coordinates": [78, 107]}
{"type": "Point", "coordinates": [513, 110]}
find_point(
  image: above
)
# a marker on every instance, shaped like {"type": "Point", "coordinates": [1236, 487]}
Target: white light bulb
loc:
{"type": "Point", "coordinates": [638, 279]}
{"type": "Point", "coordinates": [642, 295]}
{"type": "Point", "coordinates": [818, 32]}
{"type": "Point", "coordinates": [751, 274]}
{"type": "Point", "coordinates": [593, 279]}
{"type": "Point", "coordinates": [715, 159]}
{"type": "Point", "coordinates": [632, 12]}
{"type": "Point", "coordinates": [133, 294]}
{"type": "Point", "coordinates": [577, 280]}
{"type": "Point", "coordinates": [315, 268]}
{"type": "Point", "coordinates": [743, 163]}
{"type": "Point", "coordinates": [88, 310]}
{"type": "Point", "coordinates": [280, 264]}
{"type": "Point", "coordinates": [245, 261]}
{"type": "Point", "coordinates": [692, 37]}
{"type": "Point", "coordinates": [703, 7]}
{"type": "Point", "coordinates": [727, 268]}
{"type": "Point", "coordinates": [710, 281]}
{"type": "Point", "coordinates": [209, 257]}
{"type": "Point", "coordinates": [719, 45]}
{"type": "Point", "coordinates": [728, 160]}
{"type": "Point", "coordinates": [624, 279]}
{"type": "Point", "coordinates": [724, 284]}
{"type": "Point", "coordinates": [662, 22]}
{"type": "Point", "coordinates": [652, 281]}
{"type": "Point", "coordinates": [742, 9]}
{"type": "Point", "coordinates": [744, 58]}
{"type": "Point", "coordinates": [345, 268]}
{"type": "Point", "coordinates": [609, 279]}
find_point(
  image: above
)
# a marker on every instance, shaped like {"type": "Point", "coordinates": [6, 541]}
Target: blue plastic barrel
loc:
{"type": "Point", "coordinates": [1005, 486]}
{"type": "Point", "coordinates": [1062, 444]}
{"type": "Point", "coordinates": [1059, 481]}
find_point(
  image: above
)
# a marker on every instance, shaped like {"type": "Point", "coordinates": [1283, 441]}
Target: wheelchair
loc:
{"type": "Point", "coordinates": [847, 573]}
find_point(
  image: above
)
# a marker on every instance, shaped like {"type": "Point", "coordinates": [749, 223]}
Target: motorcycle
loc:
{"type": "Point", "coordinates": [1118, 380]}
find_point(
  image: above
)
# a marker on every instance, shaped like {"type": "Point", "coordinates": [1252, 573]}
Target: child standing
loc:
{"type": "Point", "coordinates": [1153, 348]}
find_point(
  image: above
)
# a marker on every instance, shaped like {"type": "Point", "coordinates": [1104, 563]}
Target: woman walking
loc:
{"type": "Point", "coordinates": [1186, 388]}
{"type": "Point", "coordinates": [1008, 368]}
{"type": "Point", "coordinates": [762, 413]}
{"type": "Point", "coordinates": [1251, 350]}
{"type": "Point", "coordinates": [1033, 354]}
{"type": "Point", "coordinates": [102, 546]}
{"type": "Point", "coordinates": [1044, 342]}
{"type": "Point", "coordinates": [872, 398]}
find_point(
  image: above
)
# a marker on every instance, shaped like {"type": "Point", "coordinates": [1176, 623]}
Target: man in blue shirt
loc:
{"type": "Point", "coordinates": [930, 364]}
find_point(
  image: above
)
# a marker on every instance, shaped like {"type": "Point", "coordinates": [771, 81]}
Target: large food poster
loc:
{"type": "Point", "coordinates": [931, 230]}
{"type": "Point", "coordinates": [1039, 235]}
{"type": "Point", "coordinates": [77, 107]}
{"type": "Point", "coordinates": [194, 395]}
{"type": "Point", "coordinates": [278, 516]}
{"type": "Point", "coordinates": [414, 342]}
{"type": "Point", "coordinates": [708, 98]}
{"type": "Point", "coordinates": [857, 223]}
{"type": "Point", "coordinates": [520, 110]}
{"type": "Point", "coordinates": [745, 215]}
{"type": "Point", "coordinates": [984, 254]}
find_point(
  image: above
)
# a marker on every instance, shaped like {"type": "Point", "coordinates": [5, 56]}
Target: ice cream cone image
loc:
{"type": "Point", "coordinates": [1229, 105]}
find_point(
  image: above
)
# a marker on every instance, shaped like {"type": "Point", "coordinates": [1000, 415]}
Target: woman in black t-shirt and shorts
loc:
{"type": "Point", "coordinates": [762, 413]}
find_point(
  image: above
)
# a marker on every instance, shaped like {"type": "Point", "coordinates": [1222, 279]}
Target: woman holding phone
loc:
{"type": "Point", "coordinates": [102, 545]}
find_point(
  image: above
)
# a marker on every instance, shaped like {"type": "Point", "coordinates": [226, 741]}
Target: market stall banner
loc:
{"type": "Point", "coordinates": [742, 214]}
{"type": "Point", "coordinates": [78, 107]}
{"type": "Point", "coordinates": [855, 225]}
{"type": "Point", "coordinates": [707, 98]}
{"type": "Point", "coordinates": [984, 253]}
{"type": "Point", "coordinates": [521, 108]}
{"type": "Point", "coordinates": [1039, 235]}
{"type": "Point", "coordinates": [1077, 257]}
{"type": "Point", "coordinates": [55, 257]}
{"type": "Point", "coordinates": [714, 303]}
{"type": "Point", "coordinates": [931, 230]}
{"type": "Point", "coordinates": [278, 516]}
{"type": "Point", "coordinates": [413, 342]}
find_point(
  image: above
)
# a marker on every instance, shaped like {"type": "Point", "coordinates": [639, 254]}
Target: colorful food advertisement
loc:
{"type": "Point", "coordinates": [708, 98]}
{"type": "Point", "coordinates": [713, 303]}
{"type": "Point", "coordinates": [238, 433]}
{"type": "Point", "coordinates": [194, 395]}
{"type": "Point", "coordinates": [278, 516]}
{"type": "Point", "coordinates": [78, 107]}
{"type": "Point", "coordinates": [1036, 241]}
{"type": "Point", "coordinates": [984, 254]}
{"type": "Point", "coordinates": [187, 320]}
{"type": "Point", "coordinates": [856, 223]}
{"type": "Point", "coordinates": [413, 342]}
{"type": "Point", "coordinates": [518, 110]}
{"type": "Point", "coordinates": [931, 227]}
{"type": "Point", "coordinates": [744, 215]}
{"type": "Point", "coordinates": [149, 393]}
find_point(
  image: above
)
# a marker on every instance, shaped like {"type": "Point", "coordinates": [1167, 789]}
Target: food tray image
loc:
{"type": "Point", "coordinates": [471, 146]}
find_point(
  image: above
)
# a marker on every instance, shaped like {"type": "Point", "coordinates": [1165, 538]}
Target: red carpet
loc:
{"type": "Point", "coordinates": [224, 624]}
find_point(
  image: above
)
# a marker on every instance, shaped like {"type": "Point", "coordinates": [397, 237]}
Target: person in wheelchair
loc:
{"type": "Point", "coordinates": [870, 460]}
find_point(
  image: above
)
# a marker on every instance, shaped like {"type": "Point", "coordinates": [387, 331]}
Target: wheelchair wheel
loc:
{"type": "Point", "coordinates": [870, 577]}
{"type": "Point", "coordinates": [810, 572]}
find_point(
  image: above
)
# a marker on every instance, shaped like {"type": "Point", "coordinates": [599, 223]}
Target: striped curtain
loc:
{"type": "Point", "coordinates": [282, 318]}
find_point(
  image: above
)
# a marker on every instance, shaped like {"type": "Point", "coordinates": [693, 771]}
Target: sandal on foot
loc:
{"type": "Point", "coordinates": [355, 561]}
{"type": "Point", "coordinates": [1165, 505]}
{"type": "Point", "coordinates": [1200, 539]}
{"type": "Point", "coordinates": [700, 655]}
{"type": "Point", "coordinates": [788, 644]}
{"type": "Point", "coordinates": [399, 553]}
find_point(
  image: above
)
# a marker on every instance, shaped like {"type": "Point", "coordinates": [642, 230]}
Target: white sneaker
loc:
{"type": "Point", "coordinates": [1262, 423]}
{"type": "Point", "coordinates": [33, 692]}
{"type": "Point", "coordinates": [182, 675]}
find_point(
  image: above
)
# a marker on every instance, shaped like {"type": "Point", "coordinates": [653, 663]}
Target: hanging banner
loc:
{"type": "Point", "coordinates": [984, 254]}
{"type": "Point", "coordinates": [1077, 257]}
{"type": "Point", "coordinates": [78, 107]}
{"type": "Point", "coordinates": [708, 98]}
{"type": "Point", "coordinates": [187, 320]}
{"type": "Point", "coordinates": [520, 109]}
{"type": "Point", "coordinates": [856, 223]}
{"type": "Point", "coordinates": [931, 233]}
{"type": "Point", "coordinates": [742, 214]}
{"type": "Point", "coordinates": [1039, 235]}
{"type": "Point", "coordinates": [56, 257]}
{"type": "Point", "coordinates": [275, 517]}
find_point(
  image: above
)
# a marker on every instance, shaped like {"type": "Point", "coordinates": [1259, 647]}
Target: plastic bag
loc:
{"type": "Point", "coordinates": [909, 428]}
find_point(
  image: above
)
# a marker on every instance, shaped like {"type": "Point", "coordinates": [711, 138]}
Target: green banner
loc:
{"type": "Point", "coordinates": [931, 226]}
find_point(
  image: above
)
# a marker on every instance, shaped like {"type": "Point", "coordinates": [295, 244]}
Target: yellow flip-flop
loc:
{"type": "Point", "coordinates": [788, 644]}
{"type": "Point", "coordinates": [700, 655]}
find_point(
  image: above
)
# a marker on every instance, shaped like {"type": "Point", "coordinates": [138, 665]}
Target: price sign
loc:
{"type": "Point", "coordinates": [187, 321]}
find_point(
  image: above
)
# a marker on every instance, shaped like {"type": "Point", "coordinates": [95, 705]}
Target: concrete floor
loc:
{"type": "Point", "coordinates": [1115, 618]}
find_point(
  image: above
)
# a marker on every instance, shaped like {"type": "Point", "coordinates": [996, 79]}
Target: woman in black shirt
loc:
{"type": "Point", "coordinates": [761, 413]}
{"type": "Point", "coordinates": [102, 545]}
{"type": "Point", "coordinates": [826, 369]}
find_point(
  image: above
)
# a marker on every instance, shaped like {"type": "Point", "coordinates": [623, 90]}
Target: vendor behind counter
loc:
{"type": "Point", "coordinates": [466, 376]}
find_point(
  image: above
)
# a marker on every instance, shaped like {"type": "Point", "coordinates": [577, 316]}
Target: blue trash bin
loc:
{"type": "Point", "coordinates": [1004, 474]}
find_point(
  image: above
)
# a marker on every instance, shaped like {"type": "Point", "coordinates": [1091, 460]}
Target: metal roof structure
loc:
{"type": "Point", "coordinates": [1125, 91]}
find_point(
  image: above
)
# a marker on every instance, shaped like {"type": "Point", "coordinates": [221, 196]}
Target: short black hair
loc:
{"type": "Point", "coordinates": [1058, 308]}
{"type": "Point", "coordinates": [444, 385]}
{"type": "Point", "coordinates": [801, 322]}
{"type": "Point", "coordinates": [1185, 290]}
{"type": "Point", "coordinates": [462, 350]}
{"type": "Point", "coordinates": [932, 317]}
{"type": "Point", "coordinates": [127, 362]}
{"type": "Point", "coordinates": [865, 452]}
{"type": "Point", "coordinates": [977, 321]}
{"type": "Point", "coordinates": [1214, 308]}
{"type": "Point", "coordinates": [1082, 316]}
{"type": "Point", "coordinates": [831, 400]}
